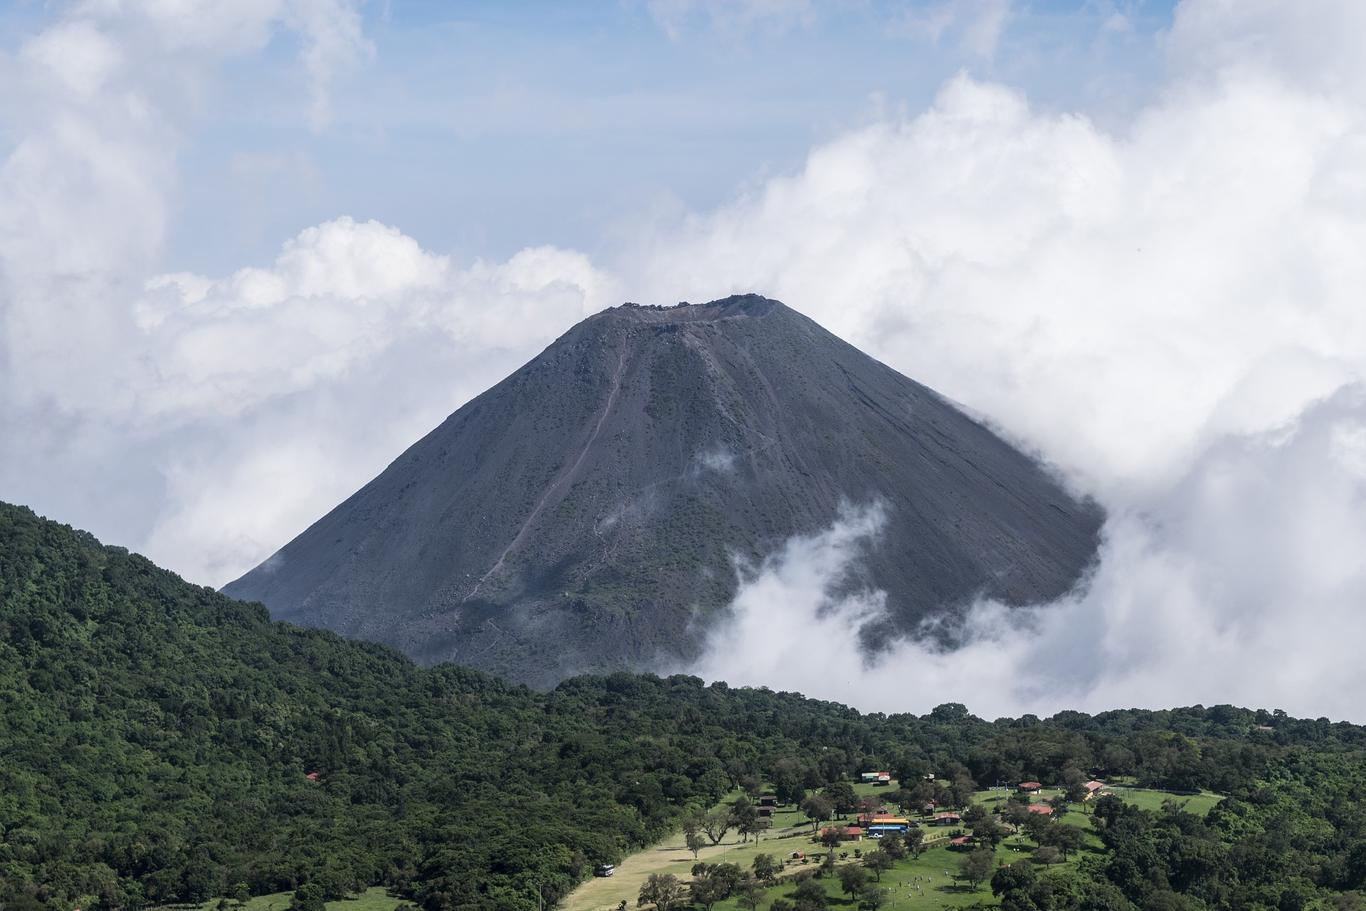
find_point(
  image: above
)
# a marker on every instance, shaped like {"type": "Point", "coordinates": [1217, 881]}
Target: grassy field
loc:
{"type": "Point", "coordinates": [1199, 804]}
{"type": "Point", "coordinates": [791, 832]}
{"type": "Point", "coordinates": [914, 884]}
{"type": "Point", "coordinates": [927, 882]}
{"type": "Point", "coordinates": [1143, 798]}
{"type": "Point", "coordinates": [375, 899]}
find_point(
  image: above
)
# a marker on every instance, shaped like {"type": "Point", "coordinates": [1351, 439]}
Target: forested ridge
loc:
{"type": "Point", "coordinates": [160, 742]}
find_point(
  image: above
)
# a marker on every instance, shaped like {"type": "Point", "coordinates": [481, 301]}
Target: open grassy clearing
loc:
{"type": "Point", "coordinates": [1144, 798]}
{"type": "Point", "coordinates": [373, 899]}
{"type": "Point", "coordinates": [791, 832]}
{"type": "Point", "coordinates": [926, 882]}
{"type": "Point", "coordinates": [930, 881]}
{"type": "Point", "coordinates": [1199, 804]}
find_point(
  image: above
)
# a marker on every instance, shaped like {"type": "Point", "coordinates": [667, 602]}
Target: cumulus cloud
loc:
{"type": "Point", "coordinates": [294, 384]}
{"type": "Point", "coordinates": [206, 419]}
{"type": "Point", "coordinates": [1242, 584]}
{"type": "Point", "coordinates": [1169, 312]}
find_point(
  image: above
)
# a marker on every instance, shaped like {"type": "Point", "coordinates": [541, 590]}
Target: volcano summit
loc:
{"type": "Point", "coordinates": [585, 513]}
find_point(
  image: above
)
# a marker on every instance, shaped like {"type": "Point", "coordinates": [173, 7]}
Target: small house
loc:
{"type": "Point", "coordinates": [1029, 787]}
{"type": "Point", "coordinates": [947, 819]}
{"type": "Point", "coordinates": [768, 800]}
{"type": "Point", "coordinates": [846, 833]}
{"type": "Point", "coordinates": [1092, 789]}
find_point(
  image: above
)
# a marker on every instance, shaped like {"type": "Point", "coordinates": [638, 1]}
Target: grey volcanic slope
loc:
{"type": "Point", "coordinates": [583, 513]}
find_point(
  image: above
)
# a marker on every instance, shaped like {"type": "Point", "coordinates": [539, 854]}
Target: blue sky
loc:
{"type": "Point", "coordinates": [484, 127]}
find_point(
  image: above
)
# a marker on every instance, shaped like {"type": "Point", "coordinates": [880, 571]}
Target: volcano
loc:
{"type": "Point", "coordinates": [588, 512]}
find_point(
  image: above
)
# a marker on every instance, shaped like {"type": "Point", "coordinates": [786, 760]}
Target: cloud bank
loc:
{"type": "Point", "coordinates": [1243, 583]}
{"type": "Point", "coordinates": [1171, 314]}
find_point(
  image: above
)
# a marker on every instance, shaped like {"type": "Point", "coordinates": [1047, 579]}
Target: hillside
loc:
{"type": "Point", "coordinates": [160, 742]}
{"type": "Point", "coordinates": [584, 514]}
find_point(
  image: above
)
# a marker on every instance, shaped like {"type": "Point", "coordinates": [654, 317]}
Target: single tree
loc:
{"type": "Point", "coordinates": [1046, 855]}
{"type": "Point", "coordinates": [752, 826]}
{"type": "Point", "coordinates": [692, 823]}
{"type": "Point", "coordinates": [744, 816]}
{"type": "Point", "coordinates": [1016, 813]}
{"type": "Point", "coordinates": [831, 837]}
{"type": "Point", "coordinates": [962, 790]}
{"type": "Point", "coordinates": [974, 814]}
{"type": "Point", "coordinates": [879, 862]}
{"type": "Point", "coordinates": [308, 897]}
{"type": "Point", "coordinates": [1066, 839]}
{"type": "Point", "coordinates": [714, 883]}
{"type": "Point", "coordinates": [841, 796]}
{"type": "Point", "coordinates": [765, 867]}
{"type": "Point", "coordinates": [1011, 878]}
{"type": "Point", "coordinates": [810, 896]}
{"type": "Point", "coordinates": [915, 841]}
{"type": "Point", "coordinates": [871, 898]}
{"type": "Point", "coordinates": [988, 831]}
{"type": "Point", "coordinates": [716, 824]}
{"type": "Point", "coordinates": [1037, 826]}
{"type": "Point", "coordinates": [817, 809]}
{"type": "Point", "coordinates": [750, 894]}
{"type": "Point", "coordinates": [695, 843]}
{"type": "Point", "coordinates": [852, 879]}
{"type": "Point", "coordinates": [977, 866]}
{"type": "Point", "coordinates": [663, 890]}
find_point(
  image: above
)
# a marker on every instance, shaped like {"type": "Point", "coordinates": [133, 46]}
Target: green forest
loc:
{"type": "Point", "coordinates": [161, 743]}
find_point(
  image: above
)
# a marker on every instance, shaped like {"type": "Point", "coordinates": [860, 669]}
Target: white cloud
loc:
{"type": "Point", "coordinates": [1241, 584]}
{"type": "Point", "coordinates": [207, 419]}
{"type": "Point", "coordinates": [288, 386]}
{"type": "Point", "coordinates": [1161, 311]}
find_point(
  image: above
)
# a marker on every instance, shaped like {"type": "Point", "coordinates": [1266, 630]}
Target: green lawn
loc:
{"type": "Point", "coordinates": [1198, 804]}
{"type": "Point", "coordinates": [1144, 798]}
{"type": "Point", "coordinates": [374, 899]}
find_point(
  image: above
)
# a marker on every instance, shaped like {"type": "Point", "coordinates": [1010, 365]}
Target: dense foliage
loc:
{"type": "Point", "coordinates": [160, 742]}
